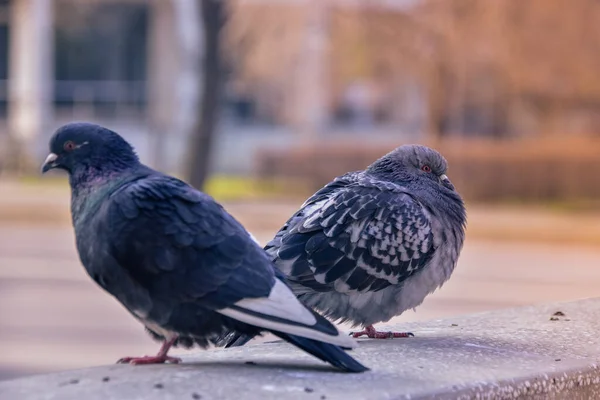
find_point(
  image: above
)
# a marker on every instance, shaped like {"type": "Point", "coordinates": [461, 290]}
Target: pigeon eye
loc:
{"type": "Point", "coordinates": [69, 146]}
{"type": "Point", "coordinates": [426, 168]}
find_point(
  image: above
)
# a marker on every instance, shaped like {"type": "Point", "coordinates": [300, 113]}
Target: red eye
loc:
{"type": "Point", "coordinates": [426, 168]}
{"type": "Point", "coordinates": [69, 146]}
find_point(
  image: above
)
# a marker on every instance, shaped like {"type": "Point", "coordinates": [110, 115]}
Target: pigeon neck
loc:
{"type": "Point", "coordinates": [89, 176]}
{"type": "Point", "coordinates": [388, 173]}
{"type": "Point", "coordinates": [389, 170]}
{"type": "Point", "coordinates": [429, 193]}
{"type": "Point", "coordinates": [90, 186]}
{"type": "Point", "coordinates": [442, 199]}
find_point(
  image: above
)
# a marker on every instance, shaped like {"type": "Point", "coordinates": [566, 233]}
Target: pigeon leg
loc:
{"type": "Point", "coordinates": [160, 358]}
{"type": "Point", "coordinates": [371, 333]}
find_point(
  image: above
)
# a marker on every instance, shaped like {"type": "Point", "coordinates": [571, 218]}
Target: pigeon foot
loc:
{"type": "Point", "coordinates": [371, 333]}
{"type": "Point", "coordinates": [149, 360]}
{"type": "Point", "coordinates": [160, 358]}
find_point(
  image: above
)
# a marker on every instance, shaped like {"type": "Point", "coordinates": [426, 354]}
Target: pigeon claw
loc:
{"type": "Point", "coordinates": [160, 358]}
{"type": "Point", "coordinates": [371, 333]}
{"type": "Point", "coordinates": [149, 360]}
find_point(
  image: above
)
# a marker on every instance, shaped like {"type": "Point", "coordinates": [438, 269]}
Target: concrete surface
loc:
{"type": "Point", "coordinates": [516, 353]}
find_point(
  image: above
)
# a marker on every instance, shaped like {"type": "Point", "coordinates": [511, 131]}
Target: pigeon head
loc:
{"type": "Point", "coordinates": [86, 150]}
{"type": "Point", "coordinates": [413, 162]}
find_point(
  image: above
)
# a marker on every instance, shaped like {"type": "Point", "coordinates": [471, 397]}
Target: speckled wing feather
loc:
{"type": "Point", "coordinates": [314, 201]}
{"type": "Point", "coordinates": [354, 235]}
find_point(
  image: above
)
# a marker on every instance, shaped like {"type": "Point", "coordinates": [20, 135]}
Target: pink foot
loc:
{"type": "Point", "coordinates": [371, 333]}
{"type": "Point", "coordinates": [149, 360]}
{"type": "Point", "coordinates": [160, 358]}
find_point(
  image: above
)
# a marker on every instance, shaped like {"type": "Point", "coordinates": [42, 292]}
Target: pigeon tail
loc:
{"type": "Point", "coordinates": [281, 311]}
{"type": "Point", "coordinates": [231, 339]}
{"type": "Point", "coordinates": [324, 351]}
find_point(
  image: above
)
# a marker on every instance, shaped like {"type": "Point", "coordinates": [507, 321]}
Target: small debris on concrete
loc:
{"type": "Point", "coordinates": [159, 386]}
{"type": "Point", "coordinates": [71, 382]}
{"type": "Point", "coordinates": [558, 359]}
{"type": "Point", "coordinates": [196, 396]}
{"type": "Point", "coordinates": [309, 390]}
{"type": "Point", "coordinates": [323, 397]}
{"type": "Point", "coordinates": [106, 379]}
{"type": "Point", "coordinates": [454, 325]}
{"type": "Point", "coordinates": [557, 316]}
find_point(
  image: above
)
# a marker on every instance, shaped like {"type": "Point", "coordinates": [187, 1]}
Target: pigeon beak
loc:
{"type": "Point", "coordinates": [49, 163]}
{"type": "Point", "coordinates": [446, 182]}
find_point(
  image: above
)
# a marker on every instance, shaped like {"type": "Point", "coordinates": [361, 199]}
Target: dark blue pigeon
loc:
{"type": "Point", "coordinates": [175, 258]}
{"type": "Point", "coordinates": [372, 244]}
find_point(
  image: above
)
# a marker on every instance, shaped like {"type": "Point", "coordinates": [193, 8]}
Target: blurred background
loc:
{"type": "Point", "coordinates": [261, 102]}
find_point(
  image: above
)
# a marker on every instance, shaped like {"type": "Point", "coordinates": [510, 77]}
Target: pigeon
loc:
{"type": "Point", "coordinates": [372, 244]}
{"type": "Point", "coordinates": [177, 261]}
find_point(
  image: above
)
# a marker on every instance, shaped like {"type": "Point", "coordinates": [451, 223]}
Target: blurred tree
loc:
{"type": "Point", "coordinates": [210, 80]}
{"type": "Point", "coordinates": [480, 68]}
{"type": "Point", "coordinates": [518, 67]}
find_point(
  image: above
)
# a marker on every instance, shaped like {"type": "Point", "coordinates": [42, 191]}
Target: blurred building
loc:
{"type": "Point", "coordinates": [63, 60]}
{"type": "Point", "coordinates": [116, 62]}
{"type": "Point", "coordinates": [465, 67]}
{"type": "Point", "coordinates": [320, 55]}
{"type": "Point", "coordinates": [299, 68]}
{"type": "Point", "coordinates": [99, 58]}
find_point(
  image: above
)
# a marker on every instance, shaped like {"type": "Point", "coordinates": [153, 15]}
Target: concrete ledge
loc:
{"type": "Point", "coordinates": [525, 353]}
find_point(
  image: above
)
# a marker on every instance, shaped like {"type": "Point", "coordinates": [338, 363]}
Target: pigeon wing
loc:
{"type": "Point", "coordinates": [359, 237]}
{"type": "Point", "coordinates": [314, 202]}
{"type": "Point", "coordinates": [172, 238]}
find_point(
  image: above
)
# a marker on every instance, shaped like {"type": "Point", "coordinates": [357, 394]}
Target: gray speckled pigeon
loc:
{"type": "Point", "coordinates": [373, 244]}
{"type": "Point", "coordinates": [175, 258]}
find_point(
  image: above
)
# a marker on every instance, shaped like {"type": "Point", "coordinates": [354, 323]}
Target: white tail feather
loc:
{"type": "Point", "coordinates": [254, 239]}
{"type": "Point", "coordinates": [282, 303]}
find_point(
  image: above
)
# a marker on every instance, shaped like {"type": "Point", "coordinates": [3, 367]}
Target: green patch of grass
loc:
{"type": "Point", "coordinates": [58, 181]}
{"type": "Point", "coordinates": [228, 188]}
{"type": "Point", "coordinates": [221, 187]}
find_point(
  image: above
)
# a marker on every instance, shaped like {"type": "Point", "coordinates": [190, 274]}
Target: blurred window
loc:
{"type": "Point", "coordinates": [100, 57]}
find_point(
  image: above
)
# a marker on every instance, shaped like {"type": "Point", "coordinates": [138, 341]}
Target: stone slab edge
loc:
{"type": "Point", "coordinates": [508, 354]}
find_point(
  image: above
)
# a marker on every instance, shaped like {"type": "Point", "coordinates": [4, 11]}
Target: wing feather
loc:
{"type": "Point", "coordinates": [354, 235]}
{"type": "Point", "coordinates": [171, 237]}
